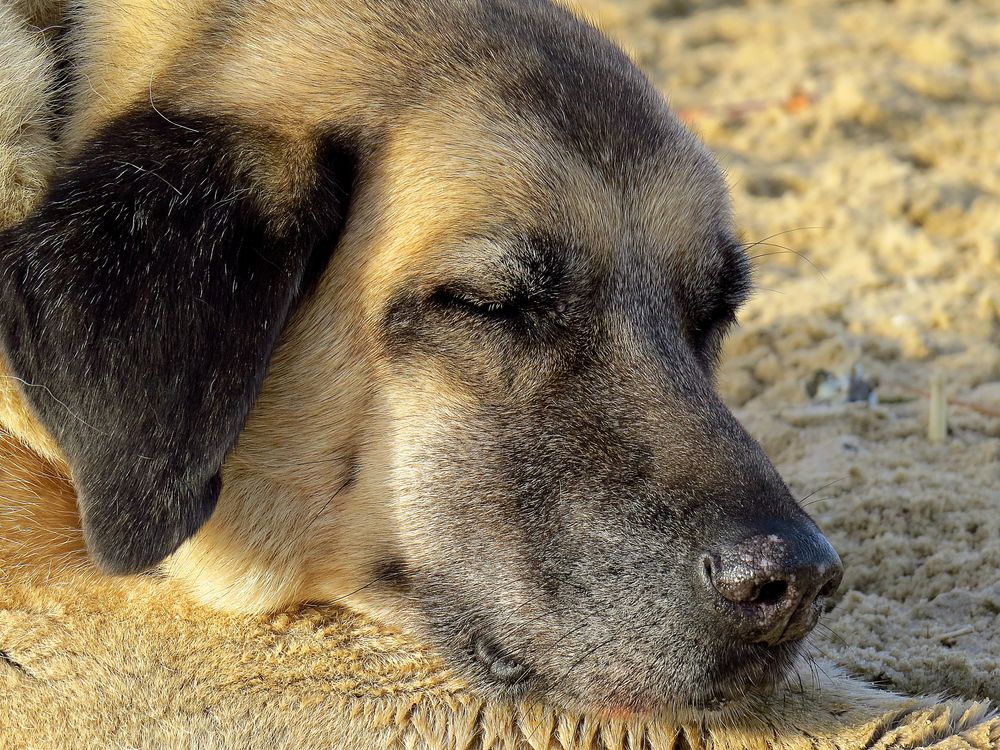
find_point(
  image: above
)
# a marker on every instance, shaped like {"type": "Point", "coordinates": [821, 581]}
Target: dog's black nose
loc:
{"type": "Point", "coordinates": [770, 583]}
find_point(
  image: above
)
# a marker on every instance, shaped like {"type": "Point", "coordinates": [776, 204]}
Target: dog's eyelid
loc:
{"type": "Point", "coordinates": [735, 274]}
{"type": "Point", "coordinates": [463, 298]}
{"type": "Point", "coordinates": [473, 293]}
{"type": "Point", "coordinates": [733, 286]}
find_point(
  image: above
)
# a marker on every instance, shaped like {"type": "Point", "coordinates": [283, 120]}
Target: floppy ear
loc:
{"type": "Point", "coordinates": [141, 302]}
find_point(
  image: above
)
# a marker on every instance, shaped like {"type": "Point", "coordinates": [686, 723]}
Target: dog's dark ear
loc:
{"type": "Point", "coordinates": [141, 303]}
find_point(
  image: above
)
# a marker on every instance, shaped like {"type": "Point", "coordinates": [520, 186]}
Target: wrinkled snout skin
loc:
{"type": "Point", "coordinates": [583, 480]}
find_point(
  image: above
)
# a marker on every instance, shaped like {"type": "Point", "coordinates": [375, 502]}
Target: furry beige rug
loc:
{"type": "Point", "coordinates": [87, 661]}
{"type": "Point", "coordinates": [122, 664]}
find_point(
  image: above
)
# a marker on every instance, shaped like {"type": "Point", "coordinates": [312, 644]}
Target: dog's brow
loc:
{"type": "Point", "coordinates": [543, 262]}
{"type": "Point", "coordinates": [529, 266]}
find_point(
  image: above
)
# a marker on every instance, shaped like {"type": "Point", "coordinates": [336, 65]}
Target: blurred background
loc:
{"type": "Point", "coordinates": [862, 144]}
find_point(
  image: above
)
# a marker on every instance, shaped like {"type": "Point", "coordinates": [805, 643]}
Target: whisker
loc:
{"type": "Point", "coordinates": [789, 251]}
{"type": "Point", "coordinates": [833, 633]}
{"type": "Point", "coordinates": [65, 406]}
{"type": "Point", "coordinates": [748, 245]}
{"type": "Point", "coordinates": [820, 489]}
{"type": "Point", "coordinates": [765, 242]}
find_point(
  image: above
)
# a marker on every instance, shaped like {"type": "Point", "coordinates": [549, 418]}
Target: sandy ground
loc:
{"type": "Point", "coordinates": [868, 135]}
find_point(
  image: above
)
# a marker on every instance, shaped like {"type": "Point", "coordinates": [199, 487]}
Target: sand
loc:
{"type": "Point", "coordinates": [868, 135]}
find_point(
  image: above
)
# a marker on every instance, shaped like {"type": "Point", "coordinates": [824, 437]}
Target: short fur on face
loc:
{"type": "Point", "coordinates": [413, 306]}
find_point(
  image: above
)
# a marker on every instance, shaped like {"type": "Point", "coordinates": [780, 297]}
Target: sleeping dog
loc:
{"type": "Point", "coordinates": [413, 306]}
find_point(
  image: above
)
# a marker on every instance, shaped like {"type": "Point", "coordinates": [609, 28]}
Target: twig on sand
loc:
{"type": "Point", "coordinates": [986, 411]}
{"type": "Point", "coordinates": [895, 385]}
{"type": "Point", "coordinates": [937, 412]}
{"type": "Point", "coordinates": [951, 636]}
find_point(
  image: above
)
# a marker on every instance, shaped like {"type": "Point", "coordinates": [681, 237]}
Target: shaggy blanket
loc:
{"type": "Point", "coordinates": [128, 664]}
{"type": "Point", "coordinates": [827, 114]}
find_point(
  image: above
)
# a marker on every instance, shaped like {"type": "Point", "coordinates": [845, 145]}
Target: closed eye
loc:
{"type": "Point", "coordinates": [712, 312]}
{"type": "Point", "coordinates": [717, 320]}
{"type": "Point", "coordinates": [470, 303]}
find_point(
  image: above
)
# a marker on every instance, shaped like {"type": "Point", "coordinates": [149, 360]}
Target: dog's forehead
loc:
{"type": "Point", "coordinates": [453, 190]}
{"type": "Point", "coordinates": [527, 119]}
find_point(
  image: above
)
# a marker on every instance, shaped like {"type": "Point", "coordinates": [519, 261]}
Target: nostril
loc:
{"type": "Point", "coordinates": [834, 578]}
{"type": "Point", "coordinates": [708, 565]}
{"type": "Point", "coordinates": [744, 581]}
{"type": "Point", "coordinates": [736, 584]}
{"type": "Point", "coordinates": [771, 592]}
{"type": "Point", "coordinates": [829, 589]}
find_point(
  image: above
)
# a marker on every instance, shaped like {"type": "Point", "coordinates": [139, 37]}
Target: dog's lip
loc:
{"type": "Point", "coordinates": [501, 666]}
{"type": "Point", "coordinates": [731, 694]}
{"type": "Point", "coordinates": [620, 707]}
{"type": "Point", "coordinates": [716, 698]}
{"type": "Point", "coordinates": [742, 684]}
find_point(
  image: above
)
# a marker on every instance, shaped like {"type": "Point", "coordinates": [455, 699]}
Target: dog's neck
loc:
{"type": "Point", "coordinates": [39, 523]}
{"type": "Point", "coordinates": [17, 419]}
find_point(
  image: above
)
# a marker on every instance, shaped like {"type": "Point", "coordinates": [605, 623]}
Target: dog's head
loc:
{"type": "Point", "coordinates": [488, 329]}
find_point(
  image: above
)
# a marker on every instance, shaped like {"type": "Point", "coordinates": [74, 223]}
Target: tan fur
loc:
{"type": "Point", "coordinates": [38, 520]}
{"type": "Point", "coordinates": [41, 14]}
{"type": "Point", "coordinates": [123, 50]}
{"type": "Point", "coordinates": [27, 151]}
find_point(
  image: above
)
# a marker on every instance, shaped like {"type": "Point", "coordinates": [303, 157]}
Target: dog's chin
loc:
{"type": "Point", "coordinates": [742, 683]}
